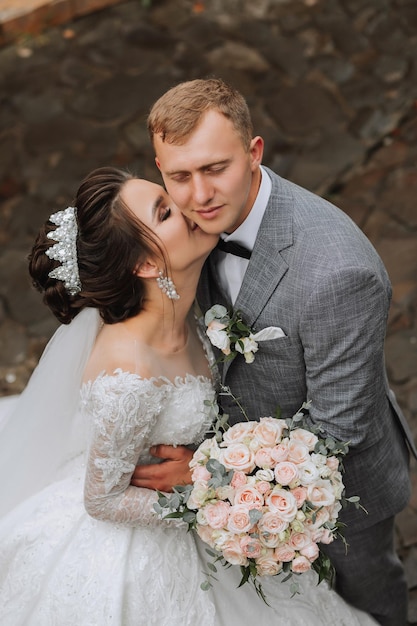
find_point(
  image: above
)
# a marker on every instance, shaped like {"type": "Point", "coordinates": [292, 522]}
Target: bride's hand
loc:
{"type": "Point", "coordinates": [164, 476]}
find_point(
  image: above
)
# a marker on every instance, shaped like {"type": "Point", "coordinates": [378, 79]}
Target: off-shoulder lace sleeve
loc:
{"type": "Point", "coordinates": [122, 410]}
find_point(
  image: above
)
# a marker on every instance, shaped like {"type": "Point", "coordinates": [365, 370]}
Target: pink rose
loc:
{"type": "Point", "coordinates": [239, 520]}
{"type": "Point", "coordinates": [206, 534]}
{"type": "Point", "coordinates": [283, 502]}
{"type": "Point", "coordinates": [297, 452]}
{"type": "Point", "coordinates": [263, 487]}
{"type": "Point", "coordinates": [286, 473]}
{"type": "Point", "coordinates": [320, 494]}
{"type": "Point", "coordinates": [311, 551]}
{"type": "Point", "coordinates": [238, 479]}
{"type": "Point", "coordinates": [251, 547]}
{"type": "Point", "coordinates": [300, 495]}
{"type": "Point", "coordinates": [238, 457]}
{"type": "Point", "coordinates": [267, 565]}
{"type": "Point", "coordinates": [264, 459]}
{"type": "Point", "coordinates": [249, 495]}
{"type": "Point", "coordinates": [271, 522]}
{"type": "Point", "coordinates": [304, 436]}
{"type": "Point", "coordinates": [232, 551]}
{"type": "Point", "coordinates": [238, 432]}
{"type": "Point", "coordinates": [300, 564]}
{"type": "Point", "coordinates": [217, 514]}
{"type": "Point", "coordinates": [284, 553]}
{"type": "Point", "coordinates": [269, 540]}
{"type": "Point", "coordinates": [280, 452]}
{"type": "Point", "coordinates": [269, 431]}
{"type": "Point", "coordinates": [332, 463]}
{"type": "Point", "coordinates": [299, 540]}
{"type": "Point", "coordinates": [325, 536]}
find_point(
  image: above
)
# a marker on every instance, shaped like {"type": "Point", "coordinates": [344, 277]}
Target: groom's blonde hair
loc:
{"type": "Point", "coordinates": [177, 113]}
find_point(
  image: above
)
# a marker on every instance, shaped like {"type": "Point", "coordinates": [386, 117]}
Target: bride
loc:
{"type": "Point", "coordinates": [128, 369]}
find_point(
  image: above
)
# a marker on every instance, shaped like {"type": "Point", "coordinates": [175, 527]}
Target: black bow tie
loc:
{"type": "Point", "coordinates": [233, 248]}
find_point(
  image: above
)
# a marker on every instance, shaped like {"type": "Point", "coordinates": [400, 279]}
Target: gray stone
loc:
{"type": "Point", "coordinates": [318, 167]}
{"type": "Point", "coordinates": [391, 69]}
{"type": "Point", "coordinates": [401, 258]}
{"type": "Point", "coordinates": [13, 343]}
{"type": "Point", "coordinates": [23, 303]}
{"type": "Point", "coordinates": [336, 69]}
{"type": "Point", "coordinates": [412, 607]}
{"type": "Point", "coordinates": [410, 567]}
{"type": "Point", "coordinates": [303, 109]}
{"type": "Point", "coordinates": [239, 56]}
{"type": "Point", "coordinates": [401, 354]}
{"type": "Point", "coordinates": [399, 199]}
{"type": "Point", "coordinates": [372, 123]}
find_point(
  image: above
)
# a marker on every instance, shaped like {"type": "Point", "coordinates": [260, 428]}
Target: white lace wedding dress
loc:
{"type": "Point", "coordinates": [61, 567]}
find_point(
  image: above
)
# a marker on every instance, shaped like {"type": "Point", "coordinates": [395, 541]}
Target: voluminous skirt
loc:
{"type": "Point", "coordinates": [60, 567]}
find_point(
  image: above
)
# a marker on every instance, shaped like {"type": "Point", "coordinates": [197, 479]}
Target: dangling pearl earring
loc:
{"type": "Point", "coordinates": [166, 285]}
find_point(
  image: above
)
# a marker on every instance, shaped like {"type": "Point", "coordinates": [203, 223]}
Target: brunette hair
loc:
{"type": "Point", "coordinates": [111, 242]}
{"type": "Point", "coordinates": [176, 114]}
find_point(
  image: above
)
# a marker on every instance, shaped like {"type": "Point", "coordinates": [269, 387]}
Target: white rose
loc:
{"type": "Point", "coordinates": [320, 494]}
{"type": "Point", "coordinates": [265, 475]}
{"type": "Point", "coordinates": [218, 336]}
{"type": "Point", "coordinates": [249, 348]}
{"type": "Point", "coordinates": [198, 496]}
{"type": "Point", "coordinates": [308, 473]}
{"type": "Point", "coordinates": [207, 449]}
{"type": "Point", "coordinates": [318, 459]}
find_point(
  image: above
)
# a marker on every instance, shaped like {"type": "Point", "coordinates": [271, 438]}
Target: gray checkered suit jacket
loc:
{"type": "Point", "coordinates": [314, 274]}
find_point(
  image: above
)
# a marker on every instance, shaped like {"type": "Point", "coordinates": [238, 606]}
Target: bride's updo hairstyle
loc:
{"type": "Point", "coordinates": [111, 242]}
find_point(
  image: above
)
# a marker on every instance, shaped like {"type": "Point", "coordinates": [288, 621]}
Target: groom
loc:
{"type": "Point", "coordinates": [309, 270]}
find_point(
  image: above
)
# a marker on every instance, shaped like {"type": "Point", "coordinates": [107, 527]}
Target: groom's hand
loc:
{"type": "Point", "coordinates": [164, 476]}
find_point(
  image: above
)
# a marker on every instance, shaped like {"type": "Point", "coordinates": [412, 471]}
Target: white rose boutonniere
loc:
{"type": "Point", "coordinates": [232, 336]}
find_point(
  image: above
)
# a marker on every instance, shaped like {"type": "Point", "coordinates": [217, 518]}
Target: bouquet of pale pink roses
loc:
{"type": "Point", "coordinates": [264, 496]}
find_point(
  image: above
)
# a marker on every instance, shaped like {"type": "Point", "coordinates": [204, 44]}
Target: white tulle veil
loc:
{"type": "Point", "coordinates": [44, 430]}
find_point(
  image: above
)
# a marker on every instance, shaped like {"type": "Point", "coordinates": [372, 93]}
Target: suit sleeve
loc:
{"type": "Point", "coordinates": [343, 331]}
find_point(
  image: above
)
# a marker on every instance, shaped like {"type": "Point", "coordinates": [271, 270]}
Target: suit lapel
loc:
{"type": "Point", "coordinates": [267, 266]}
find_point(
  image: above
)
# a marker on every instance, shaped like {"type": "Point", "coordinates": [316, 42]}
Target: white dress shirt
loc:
{"type": "Point", "coordinates": [230, 268]}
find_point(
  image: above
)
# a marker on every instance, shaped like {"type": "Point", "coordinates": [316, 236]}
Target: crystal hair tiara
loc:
{"type": "Point", "coordinates": [65, 249]}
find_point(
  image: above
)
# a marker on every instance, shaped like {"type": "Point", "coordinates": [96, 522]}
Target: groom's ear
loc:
{"type": "Point", "coordinates": [256, 151]}
{"type": "Point", "coordinates": [147, 269]}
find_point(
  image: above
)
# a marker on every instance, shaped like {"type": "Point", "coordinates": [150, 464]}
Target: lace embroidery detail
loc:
{"type": "Point", "coordinates": [127, 415]}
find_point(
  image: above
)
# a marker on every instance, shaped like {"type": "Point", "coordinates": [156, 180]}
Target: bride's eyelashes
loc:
{"type": "Point", "coordinates": [165, 214]}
